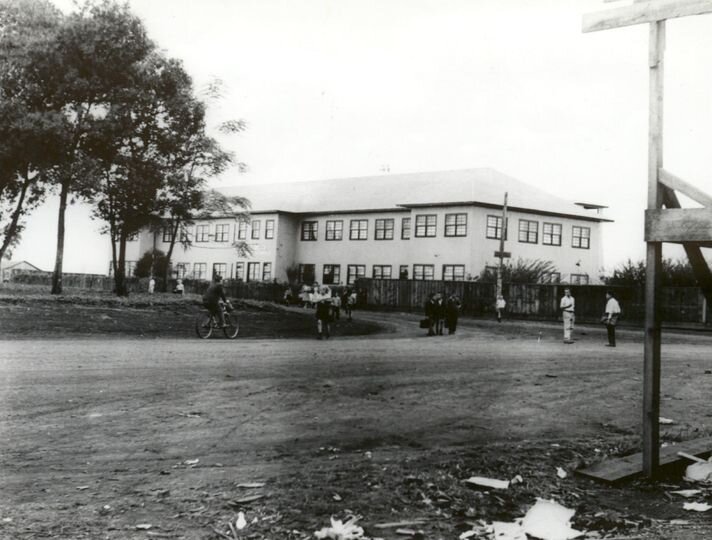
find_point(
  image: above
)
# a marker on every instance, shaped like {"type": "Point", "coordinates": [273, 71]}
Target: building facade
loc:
{"type": "Point", "coordinates": [440, 225]}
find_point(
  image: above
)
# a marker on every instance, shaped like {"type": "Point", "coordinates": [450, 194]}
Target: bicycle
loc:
{"type": "Point", "coordinates": [206, 322]}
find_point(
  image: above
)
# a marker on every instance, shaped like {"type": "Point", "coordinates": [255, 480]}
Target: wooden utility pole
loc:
{"type": "Point", "coordinates": [691, 227]}
{"type": "Point", "coordinates": [501, 253]}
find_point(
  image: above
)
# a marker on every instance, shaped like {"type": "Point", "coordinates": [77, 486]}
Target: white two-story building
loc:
{"type": "Point", "coordinates": [439, 225]}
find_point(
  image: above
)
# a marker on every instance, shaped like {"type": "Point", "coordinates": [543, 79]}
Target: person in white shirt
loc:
{"type": "Point", "coordinates": [499, 306]}
{"type": "Point", "coordinates": [567, 310]}
{"type": "Point", "coordinates": [610, 318]}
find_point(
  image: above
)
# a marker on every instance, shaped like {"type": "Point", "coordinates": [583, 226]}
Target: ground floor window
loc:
{"type": "Point", "coordinates": [579, 279]}
{"type": "Point", "coordinates": [331, 274]}
{"type": "Point", "coordinates": [551, 277]}
{"type": "Point", "coordinates": [253, 271]}
{"type": "Point", "coordinates": [381, 271]}
{"type": "Point", "coordinates": [240, 271]}
{"type": "Point", "coordinates": [219, 269]}
{"type": "Point", "coordinates": [424, 272]}
{"type": "Point", "coordinates": [200, 270]}
{"type": "Point", "coordinates": [354, 272]}
{"type": "Point", "coordinates": [182, 270]}
{"type": "Point", "coordinates": [307, 274]}
{"type": "Point", "coordinates": [453, 272]}
{"type": "Point", "coordinates": [266, 271]}
{"type": "Point", "coordinates": [403, 271]}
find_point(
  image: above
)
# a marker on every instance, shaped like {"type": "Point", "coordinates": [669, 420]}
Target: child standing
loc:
{"type": "Point", "coordinates": [500, 304]}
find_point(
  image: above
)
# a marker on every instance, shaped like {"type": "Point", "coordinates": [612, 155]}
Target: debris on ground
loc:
{"type": "Point", "coordinates": [251, 485]}
{"type": "Point", "coordinates": [488, 482]}
{"type": "Point", "coordinates": [663, 420]}
{"type": "Point", "coordinates": [699, 472]}
{"type": "Point", "coordinates": [697, 507]}
{"type": "Point", "coordinates": [548, 520]}
{"type": "Point", "coordinates": [687, 492]}
{"type": "Point", "coordinates": [341, 530]}
{"type": "Point", "coordinates": [561, 473]}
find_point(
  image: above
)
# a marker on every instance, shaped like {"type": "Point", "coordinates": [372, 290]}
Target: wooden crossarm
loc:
{"type": "Point", "coordinates": [700, 268]}
{"type": "Point", "coordinates": [644, 12]}
{"type": "Point", "coordinates": [676, 183]}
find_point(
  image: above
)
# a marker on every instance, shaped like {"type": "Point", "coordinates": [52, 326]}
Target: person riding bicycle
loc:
{"type": "Point", "coordinates": [214, 297]}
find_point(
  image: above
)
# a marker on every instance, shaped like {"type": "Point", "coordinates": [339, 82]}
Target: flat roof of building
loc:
{"type": "Point", "coordinates": [482, 186]}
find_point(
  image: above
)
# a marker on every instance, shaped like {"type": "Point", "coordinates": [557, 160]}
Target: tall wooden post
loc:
{"type": "Point", "coordinates": [500, 268]}
{"type": "Point", "coordinates": [651, 368]}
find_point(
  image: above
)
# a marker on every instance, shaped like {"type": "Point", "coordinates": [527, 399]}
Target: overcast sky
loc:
{"type": "Point", "coordinates": [342, 88]}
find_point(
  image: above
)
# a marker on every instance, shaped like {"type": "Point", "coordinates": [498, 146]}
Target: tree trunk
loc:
{"type": "Point", "coordinates": [166, 271]}
{"type": "Point", "coordinates": [120, 273]}
{"type": "Point", "coordinates": [57, 276]}
{"type": "Point", "coordinates": [11, 229]}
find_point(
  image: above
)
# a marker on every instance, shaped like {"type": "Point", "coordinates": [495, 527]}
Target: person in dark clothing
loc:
{"type": "Point", "coordinates": [324, 313]}
{"type": "Point", "coordinates": [439, 314]}
{"type": "Point", "coordinates": [431, 313]}
{"type": "Point", "coordinates": [452, 313]}
{"type": "Point", "coordinates": [213, 297]}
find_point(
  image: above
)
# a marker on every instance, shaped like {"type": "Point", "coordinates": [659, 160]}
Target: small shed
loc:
{"type": "Point", "coordinates": [11, 268]}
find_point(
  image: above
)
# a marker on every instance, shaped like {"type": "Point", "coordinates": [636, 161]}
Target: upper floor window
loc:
{"type": "Point", "coordinates": [528, 231]}
{"type": "Point", "coordinates": [425, 225]}
{"type": "Point", "coordinates": [222, 231]}
{"type": "Point", "coordinates": [358, 229]}
{"type": "Point", "coordinates": [453, 272]}
{"type": "Point", "coordinates": [581, 237]}
{"type": "Point", "coordinates": [334, 229]}
{"type": "Point", "coordinates": [269, 229]}
{"type": "Point", "coordinates": [202, 233]}
{"type": "Point", "coordinates": [384, 229]}
{"type": "Point", "coordinates": [256, 229]}
{"type": "Point", "coordinates": [167, 234]}
{"type": "Point", "coordinates": [185, 233]}
{"type": "Point", "coordinates": [309, 230]}
{"type": "Point", "coordinates": [381, 271]}
{"type": "Point", "coordinates": [132, 237]}
{"type": "Point", "coordinates": [405, 228]}
{"type": "Point", "coordinates": [551, 234]}
{"type": "Point", "coordinates": [494, 228]}
{"type": "Point", "coordinates": [456, 224]}
{"type": "Point", "coordinates": [242, 230]}
{"type": "Point", "coordinates": [424, 272]}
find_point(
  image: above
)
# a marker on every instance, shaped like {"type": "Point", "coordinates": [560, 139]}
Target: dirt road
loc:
{"type": "Point", "coordinates": [101, 435]}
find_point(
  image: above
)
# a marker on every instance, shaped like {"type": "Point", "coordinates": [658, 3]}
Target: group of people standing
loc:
{"type": "Point", "coordinates": [328, 306]}
{"type": "Point", "coordinates": [610, 316]}
{"type": "Point", "coordinates": [441, 312]}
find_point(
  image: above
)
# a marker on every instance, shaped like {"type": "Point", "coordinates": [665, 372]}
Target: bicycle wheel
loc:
{"type": "Point", "coordinates": [204, 325]}
{"type": "Point", "coordinates": [232, 326]}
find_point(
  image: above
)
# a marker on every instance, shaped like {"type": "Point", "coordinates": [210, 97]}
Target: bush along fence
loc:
{"type": "Point", "coordinates": [536, 301]}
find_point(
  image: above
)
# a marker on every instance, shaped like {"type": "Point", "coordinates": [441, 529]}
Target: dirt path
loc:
{"type": "Point", "coordinates": [99, 434]}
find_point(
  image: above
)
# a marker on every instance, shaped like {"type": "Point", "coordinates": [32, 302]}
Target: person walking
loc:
{"type": "Point", "coordinates": [567, 306]}
{"type": "Point", "coordinates": [610, 318]}
{"type": "Point", "coordinates": [452, 313]}
{"type": "Point", "coordinates": [439, 314]}
{"type": "Point", "coordinates": [151, 285]}
{"type": "Point", "coordinates": [499, 306]}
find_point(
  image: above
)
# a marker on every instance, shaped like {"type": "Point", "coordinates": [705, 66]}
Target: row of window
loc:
{"type": "Point", "coordinates": [222, 232]}
{"type": "Point", "coordinates": [529, 232]}
{"type": "Point", "coordinates": [331, 273]}
{"type": "Point", "coordinates": [251, 271]}
{"type": "Point", "coordinates": [455, 225]}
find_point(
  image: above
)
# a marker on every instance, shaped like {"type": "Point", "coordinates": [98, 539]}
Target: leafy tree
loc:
{"type": "Point", "coordinates": [92, 56]}
{"type": "Point", "coordinates": [30, 132]}
{"type": "Point", "coordinates": [522, 271]}
{"type": "Point", "coordinates": [674, 273]}
{"type": "Point", "coordinates": [190, 162]}
{"type": "Point", "coordinates": [151, 263]}
{"type": "Point", "coordinates": [130, 147]}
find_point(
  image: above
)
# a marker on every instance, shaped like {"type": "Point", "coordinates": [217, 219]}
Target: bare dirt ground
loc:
{"type": "Point", "coordinates": [101, 436]}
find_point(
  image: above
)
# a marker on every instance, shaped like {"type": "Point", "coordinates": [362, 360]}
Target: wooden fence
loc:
{"type": "Point", "coordinates": [537, 301]}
